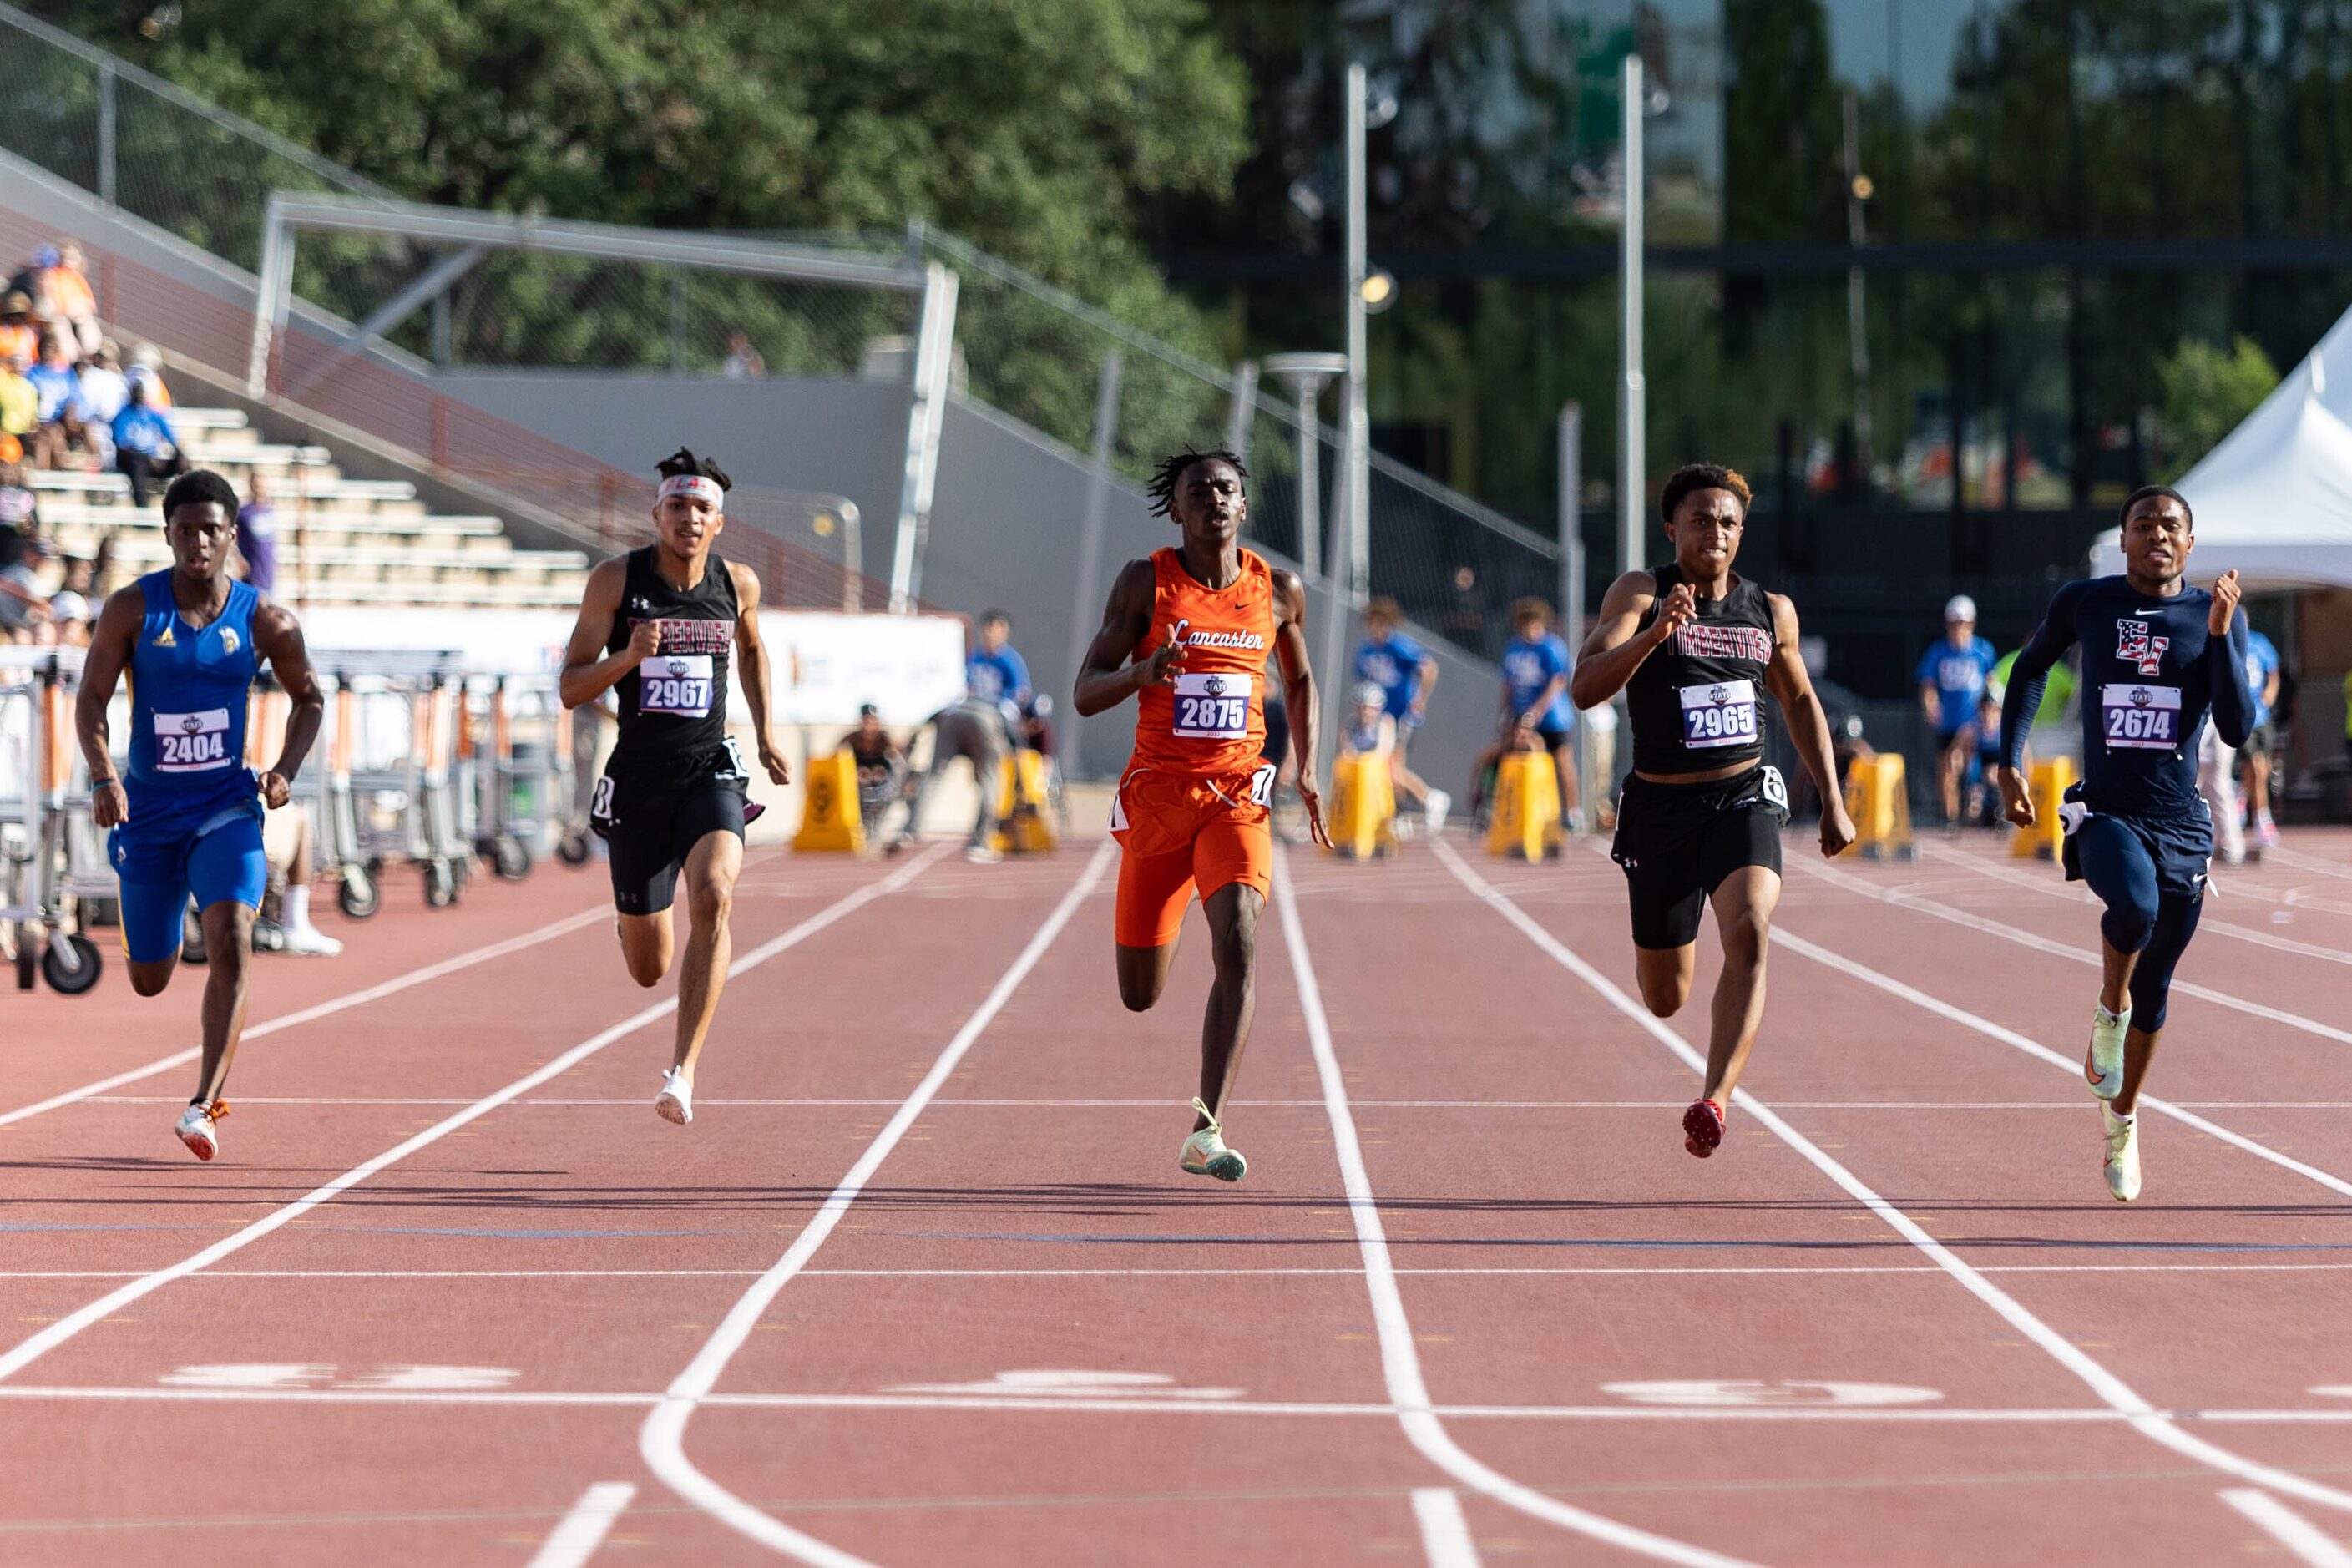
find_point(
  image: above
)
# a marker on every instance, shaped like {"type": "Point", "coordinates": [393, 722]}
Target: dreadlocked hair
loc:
{"type": "Point", "coordinates": [684, 462]}
{"type": "Point", "coordinates": [1162, 489]}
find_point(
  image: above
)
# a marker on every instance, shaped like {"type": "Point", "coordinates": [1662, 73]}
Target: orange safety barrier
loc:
{"type": "Point", "coordinates": [338, 757]}
{"type": "Point", "coordinates": [57, 752]}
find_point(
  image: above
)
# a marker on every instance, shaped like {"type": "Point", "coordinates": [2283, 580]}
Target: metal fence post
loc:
{"type": "Point", "coordinates": [926, 412]}
{"type": "Point", "coordinates": [1244, 404]}
{"type": "Point", "coordinates": [1633, 399]}
{"type": "Point", "coordinates": [106, 135]}
{"type": "Point", "coordinates": [1086, 608]}
{"type": "Point", "coordinates": [1571, 572]}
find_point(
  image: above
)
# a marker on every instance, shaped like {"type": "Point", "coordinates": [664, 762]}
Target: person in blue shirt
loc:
{"type": "Point", "coordinates": [1952, 678]}
{"type": "Point", "coordinates": [994, 671]}
{"type": "Point", "coordinates": [146, 447]}
{"type": "Point", "coordinates": [2262, 741]}
{"type": "Point", "coordinates": [2158, 656]}
{"type": "Point", "coordinates": [185, 816]}
{"type": "Point", "coordinates": [1536, 712]}
{"type": "Point", "coordinates": [56, 387]}
{"type": "Point", "coordinates": [1406, 674]}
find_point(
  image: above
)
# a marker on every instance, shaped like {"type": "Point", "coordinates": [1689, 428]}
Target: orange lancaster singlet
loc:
{"type": "Point", "coordinates": [1213, 720]}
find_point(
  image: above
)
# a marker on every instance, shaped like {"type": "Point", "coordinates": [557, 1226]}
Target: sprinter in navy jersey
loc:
{"type": "Point", "coordinates": [2158, 656]}
{"type": "Point", "coordinates": [189, 823]}
{"type": "Point", "coordinates": [1695, 646]}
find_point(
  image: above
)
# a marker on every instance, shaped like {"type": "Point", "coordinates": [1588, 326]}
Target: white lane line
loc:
{"type": "Point", "coordinates": [2303, 862]}
{"type": "Point", "coordinates": [376, 992]}
{"type": "Point", "coordinates": [2288, 1527]}
{"type": "Point", "coordinates": [582, 1529]}
{"type": "Point", "coordinates": [2143, 1416]}
{"type": "Point", "coordinates": [1399, 1358]}
{"type": "Point", "coordinates": [1902, 900]}
{"type": "Point", "coordinates": [66, 1328]}
{"type": "Point", "coordinates": [1444, 1533]}
{"type": "Point", "coordinates": [2071, 1065]}
{"type": "Point", "coordinates": [662, 1440]}
{"type": "Point", "coordinates": [1535, 1270]}
{"type": "Point", "coordinates": [2062, 891]}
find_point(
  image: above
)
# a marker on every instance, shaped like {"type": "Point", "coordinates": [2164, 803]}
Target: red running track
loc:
{"type": "Point", "coordinates": [922, 1284]}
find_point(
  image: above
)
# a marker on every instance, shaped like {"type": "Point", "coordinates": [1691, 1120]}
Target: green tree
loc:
{"type": "Point", "coordinates": [2207, 392]}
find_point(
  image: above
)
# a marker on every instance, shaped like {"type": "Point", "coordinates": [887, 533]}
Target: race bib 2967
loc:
{"type": "Point", "coordinates": [675, 683]}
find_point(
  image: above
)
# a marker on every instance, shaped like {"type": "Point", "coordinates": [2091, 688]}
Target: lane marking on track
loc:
{"type": "Point", "coordinates": [360, 998]}
{"type": "Point", "coordinates": [2288, 1527]}
{"type": "Point", "coordinates": [1295, 1104]}
{"type": "Point", "coordinates": [1400, 1356]}
{"type": "Point", "coordinates": [2303, 862]}
{"type": "Point", "coordinates": [661, 1440]}
{"type": "Point", "coordinates": [2143, 1416]}
{"type": "Point", "coordinates": [1444, 1531]}
{"type": "Point", "coordinates": [582, 1529]}
{"type": "Point", "coordinates": [1901, 900]}
{"type": "Point", "coordinates": [33, 1348]}
{"type": "Point", "coordinates": [2042, 885]}
{"type": "Point", "coordinates": [1172, 1273]}
{"type": "Point", "coordinates": [1831, 958]}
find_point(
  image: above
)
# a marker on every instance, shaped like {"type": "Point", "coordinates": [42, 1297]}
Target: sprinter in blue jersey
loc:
{"type": "Point", "coordinates": [185, 819]}
{"type": "Point", "coordinates": [2157, 657]}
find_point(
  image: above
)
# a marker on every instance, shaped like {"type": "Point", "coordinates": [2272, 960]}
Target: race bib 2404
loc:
{"type": "Point", "coordinates": [192, 742]}
{"type": "Point", "coordinates": [1214, 706]}
{"type": "Point", "coordinates": [2137, 717]}
{"type": "Point", "coordinates": [675, 683]}
{"type": "Point", "coordinates": [1722, 713]}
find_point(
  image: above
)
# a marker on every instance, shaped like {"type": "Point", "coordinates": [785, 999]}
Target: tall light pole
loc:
{"type": "Point", "coordinates": [1857, 319]}
{"type": "Point", "coordinates": [1631, 395]}
{"type": "Point", "coordinates": [1305, 374]}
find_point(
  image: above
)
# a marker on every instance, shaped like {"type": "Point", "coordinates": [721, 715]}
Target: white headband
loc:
{"type": "Point", "coordinates": [695, 486]}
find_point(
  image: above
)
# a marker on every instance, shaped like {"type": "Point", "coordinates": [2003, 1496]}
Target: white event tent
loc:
{"type": "Point", "coordinates": [2275, 498]}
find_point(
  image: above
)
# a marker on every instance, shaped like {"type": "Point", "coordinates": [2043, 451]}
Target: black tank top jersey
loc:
{"type": "Point", "coordinates": [674, 705]}
{"type": "Point", "coordinates": [1696, 703]}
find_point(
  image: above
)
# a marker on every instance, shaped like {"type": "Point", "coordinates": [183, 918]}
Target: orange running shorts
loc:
{"type": "Point", "coordinates": [1180, 833]}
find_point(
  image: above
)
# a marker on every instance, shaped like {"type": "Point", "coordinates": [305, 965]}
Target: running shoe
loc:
{"type": "Point", "coordinates": [1703, 1127]}
{"type": "Point", "coordinates": [2266, 831]}
{"type": "Point", "coordinates": [1433, 810]}
{"type": "Point", "coordinates": [306, 942]}
{"type": "Point", "coordinates": [2123, 1154]}
{"type": "Point", "coordinates": [198, 1128]}
{"type": "Point", "coordinates": [1205, 1153]}
{"type": "Point", "coordinates": [2102, 1067]}
{"type": "Point", "coordinates": [983, 855]}
{"type": "Point", "coordinates": [674, 1103]}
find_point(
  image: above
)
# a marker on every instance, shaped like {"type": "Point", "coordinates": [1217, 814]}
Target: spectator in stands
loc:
{"type": "Point", "coordinates": [146, 449]}
{"type": "Point", "coordinates": [20, 512]}
{"type": "Point", "coordinates": [18, 335]}
{"type": "Point", "coordinates": [147, 370]}
{"type": "Point", "coordinates": [1953, 674]}
{"type": "Point", "coordinates": [256, 535]}
{"type": "Point", "coordinates": [881, 768]}
{"type": "Point", "coordinates": [24, 601]}
{"type": "Point", "coordinates": [26, 280]}
{"type": "Point", "coordinates": [20, 404]}
{"type": "Point", "coordinates": [285, 845]}
{"type": "Point", "coordinates": [68, 304]}
{"type": "Point", "coordinates": [58, 427]}
{"type": "Point", "coordinates": [100, 393]}
{"type": "Point", "coordinates": [743, 361]}
{"type": "Point", "coordinates": [69, 613]}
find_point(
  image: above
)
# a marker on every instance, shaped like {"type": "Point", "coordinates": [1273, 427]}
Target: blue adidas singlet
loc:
{"type": "Point", "coordinates": [188, 694]}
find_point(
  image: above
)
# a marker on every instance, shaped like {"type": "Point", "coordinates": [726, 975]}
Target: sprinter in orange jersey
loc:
{"type": "Point", "coordinates": [1187, 633]}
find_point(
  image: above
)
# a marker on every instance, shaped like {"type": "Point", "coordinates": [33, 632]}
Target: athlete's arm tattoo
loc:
{"type": "Point", "coordinates": [1106, 679]}
{"type": "Point", "coordinates": [588, 671]}
{"type": "Point", "coordinates": [112, 642]}
{"type": "Point", "coordinates": [751, 663]}
{"type": "Point", "coordinates": [277, 638]}
{"type": "Point", "coordinates": [1809, 726]}
{"type": "Point", "coordinates": [1615, 647]}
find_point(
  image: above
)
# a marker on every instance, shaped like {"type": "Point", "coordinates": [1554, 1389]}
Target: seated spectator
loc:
{"type": "Point", "coordinates": [256, 535]}
{"type": "Point", "coordinates": [20, 512]}
{"type": "Point", "coordinates": [145, 446]}
{"type": "Point", "coordinates": [65, 298]}
{"type": "Point", "coordinates": [20, 406]}
{"type": "Point", "coordinates": [1370, 730]}
{"type": "Point", "coordinates": [24, 601]}
{"type": "Point", "coordinates": [285, 845]}
{"type": "Point", "coordinates": [881, 767]}
{"type": "Point", "coordinates": [57, 428]}
{"type": "Point", "coordinates": [26, 280]}
{"type": "Point", "coordinates": [100, 395]}
{"type": "Point", "coordinates": [147, 370]}
{"type": "Point", "coordinates": [18, 335]}
{"type": "Point", "coordinates": [69, 613]}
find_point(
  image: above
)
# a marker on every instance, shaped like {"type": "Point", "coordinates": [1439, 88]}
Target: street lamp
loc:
{"type": "Point", "coordinates": [1305, 374]}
